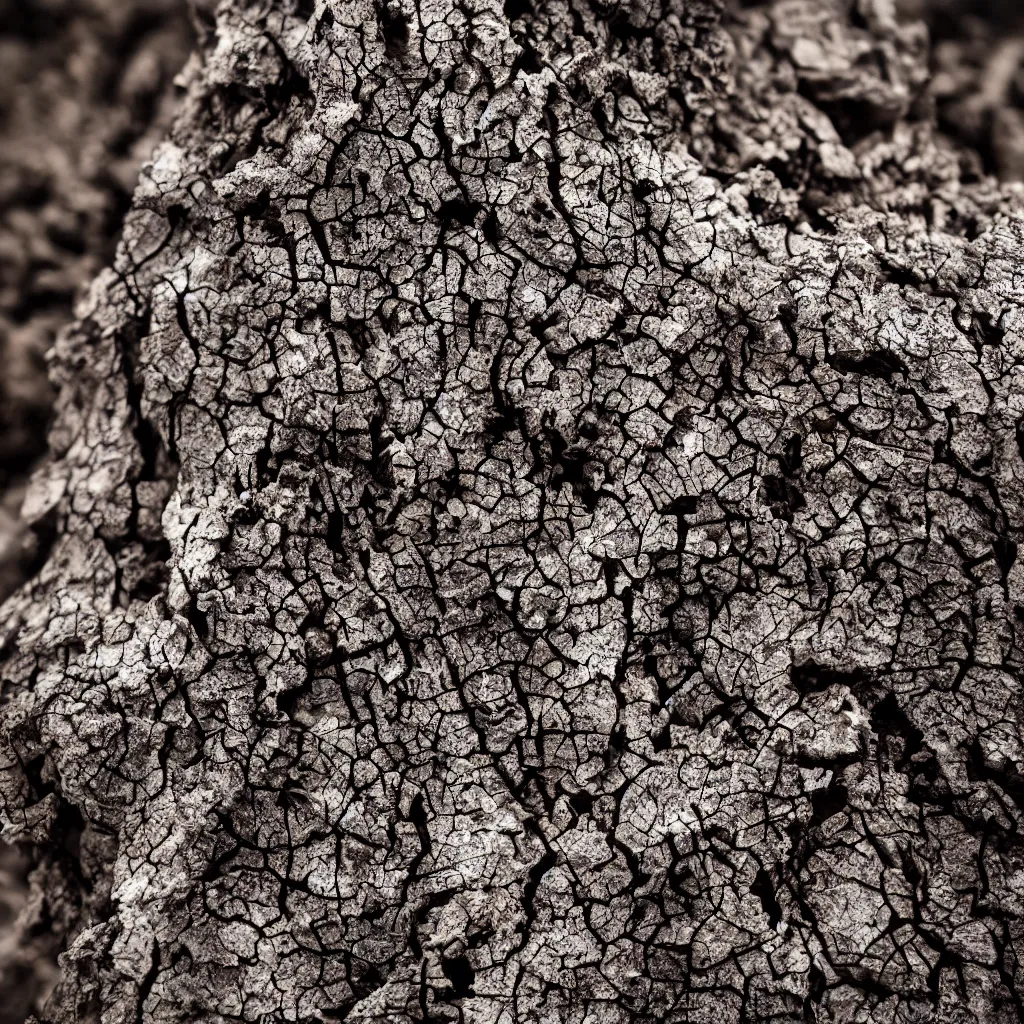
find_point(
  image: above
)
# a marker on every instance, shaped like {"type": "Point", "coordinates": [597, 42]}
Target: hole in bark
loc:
{"type": "Point", "coordinates": [881, 364]}
{"type": "Point", "coordinates": [853, 119]}
{"type": "Point", "coordinates": [621, 28]}
{"type": "Point", "coordinates": [763, 889]}
{"type": "Point", "coordinates": [67, 831]}
{"type": "Point", "coordinates": [784, 497]}
{"type": "Point", "coordinates": [811, 677]}
{"type": "Point", "coordinates": [792, 458]}
{"type": "Point", "coordinates": [1006, 554]}
{"type": "Point", "coordinates": [268, 467]}
{"type": "Point", "coordinates": [828, 801]}
{"type": "Point", "coordinates": [515, 9]}
{"type": "Point", "coordinates": [459, 972]}
{"type": "Point", "coordinates": [198, 621]}
{"type": "Point", "coordinates": [34, 773]}
{"type": "Point", "coordinates": [458, 210]}
{"type": "Point", "coordinates": [394, 30]}
{"type": "Point", "coordinates": [288, 700]}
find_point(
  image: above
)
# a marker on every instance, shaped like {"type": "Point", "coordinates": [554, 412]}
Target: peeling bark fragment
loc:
{"type": "Point", "coordinates": [537, 500]}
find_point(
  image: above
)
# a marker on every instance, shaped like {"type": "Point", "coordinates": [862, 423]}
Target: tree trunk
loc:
{"type": "Point", "coordinates": [536, 504]}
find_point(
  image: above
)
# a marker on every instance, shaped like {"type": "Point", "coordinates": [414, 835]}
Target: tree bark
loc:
{"type": "Point", "coordinates": [536, 503]}
{"type": "Point", "coordinates": [85, 94]}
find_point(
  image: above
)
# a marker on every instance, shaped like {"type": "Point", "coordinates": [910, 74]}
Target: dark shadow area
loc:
{"type": "Point", "coordinates": [28, 968]}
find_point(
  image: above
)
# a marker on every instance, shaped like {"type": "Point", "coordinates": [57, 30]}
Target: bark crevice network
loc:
{"type": "Point", "coordinates": [536, 503]}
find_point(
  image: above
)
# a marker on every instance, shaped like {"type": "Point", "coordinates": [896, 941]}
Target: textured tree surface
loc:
{"type": "Point", "coordinates": [84, 97]}
{"type": "Point", "coordinates": [536, 504]}
{"type": "Point", "coordinates": [85, 94]}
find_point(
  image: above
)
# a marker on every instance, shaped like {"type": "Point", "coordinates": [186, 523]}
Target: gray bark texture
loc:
{"type": "Point", "coordinates": [535, 508]}
{"type": "Point", "coordinates": [85, 94]}
{"type": "Point", "coordinates": [84, 98]}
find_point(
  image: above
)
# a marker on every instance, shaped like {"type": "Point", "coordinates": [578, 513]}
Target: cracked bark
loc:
{"type": "Point", "coordinates": [85, 95]}
{"type": "Point", "coordinates": [537, 498]}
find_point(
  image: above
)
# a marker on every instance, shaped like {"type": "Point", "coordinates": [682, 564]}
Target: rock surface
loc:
{"type": "Point", "coordinates": [536, 506]}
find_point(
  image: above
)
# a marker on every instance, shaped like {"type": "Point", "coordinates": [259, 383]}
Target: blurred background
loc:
{"type": "Point", "coordinates": [85, 93]}
{"type": "Point", "coordinates": [87, 89]}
